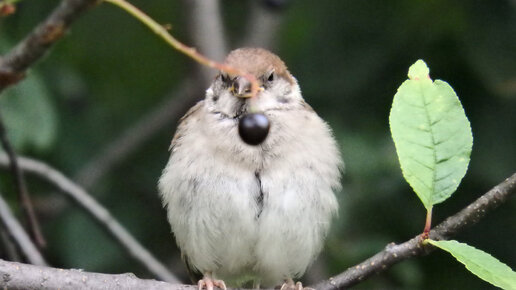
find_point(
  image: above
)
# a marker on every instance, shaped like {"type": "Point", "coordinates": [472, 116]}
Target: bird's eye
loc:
{"type": "Point", "coordinates": [224, 77]}
{"type": "Point", "coordinates": [270, 78]}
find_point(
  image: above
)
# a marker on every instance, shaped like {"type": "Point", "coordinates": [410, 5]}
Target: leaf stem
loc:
{"type": "Point", "coordinates": [428, 224]}
{"type": "Point", "coordinates": [191, 52]}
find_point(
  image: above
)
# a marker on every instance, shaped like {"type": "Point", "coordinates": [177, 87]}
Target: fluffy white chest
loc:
{"type": "Point", "coordinates": [261, 210]}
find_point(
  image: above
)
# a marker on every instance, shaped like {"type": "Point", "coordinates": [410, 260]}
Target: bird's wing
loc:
{"type": "Point", "coordinates": [183, 123]}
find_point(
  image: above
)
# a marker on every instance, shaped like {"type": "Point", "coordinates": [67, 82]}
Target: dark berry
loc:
{"type": "Point", "coordinates": [253, 128]}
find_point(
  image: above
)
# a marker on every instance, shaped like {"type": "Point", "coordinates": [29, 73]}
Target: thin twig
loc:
{"type": "Point", "coordinates": [21, 187]}
{"type": "Point", "coordinates": [98, 212]}
{"type": "Point", "coordinates": [394, 254]}
{"type": "Point", "coordinates": [189, 51]}
{"type": "Point", "coordinates": [14, 64]}
{"type": "Point", "coordinates": [16, 231]}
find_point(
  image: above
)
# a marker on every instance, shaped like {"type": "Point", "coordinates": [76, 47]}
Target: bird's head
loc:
{"type": "Point", "coordinates": [230, 94]}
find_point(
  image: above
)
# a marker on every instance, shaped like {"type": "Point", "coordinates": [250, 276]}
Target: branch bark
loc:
{"type": "Point", "coordinates": [14, 64]}
{"type": "Point", "coordinates": [28, 277]}
{"type": "Point", "coordinates": [20, 276]}
{"type": "Point", "coordinates": [98, 212]}
{"type": "Point", "coordinates": [393, 254]}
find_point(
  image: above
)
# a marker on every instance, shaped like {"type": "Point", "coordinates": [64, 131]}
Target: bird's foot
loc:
{"type": "Point", "coordinates": [208, 283]}
{"type": "Point", "coordinates": [290, 285]}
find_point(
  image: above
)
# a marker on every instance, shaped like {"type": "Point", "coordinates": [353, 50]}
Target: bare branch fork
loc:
{"type": "Point", "coordinates": [98, 212]}
{"type": "Point", "coordinates": [22, 276]}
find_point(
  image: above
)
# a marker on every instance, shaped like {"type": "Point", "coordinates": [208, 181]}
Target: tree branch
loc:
{"type": "Point", "coordinates": [15, 275]}
{"type": "Point", "coordinates": [16, 231]}
{"type": "Point", "coordinates": [14, 64]}
{"type": "Point", "coordinates": [21, 187]}
{"type": "Point", "coordinates": [29, 277]}
{"type": "Point", "coordinates": [394, 254]}
{"type": "Point", "coordinates": [98, 212]}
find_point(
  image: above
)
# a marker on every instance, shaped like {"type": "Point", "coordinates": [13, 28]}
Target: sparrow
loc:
{"type": "Point", "coordinates": [245, 213]}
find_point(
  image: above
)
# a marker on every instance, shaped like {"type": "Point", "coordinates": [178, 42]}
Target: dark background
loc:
{"type": "Point", "coordinates": [349, 57]}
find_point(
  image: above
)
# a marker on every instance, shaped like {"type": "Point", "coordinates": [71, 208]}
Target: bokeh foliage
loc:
{"type": "Point", "coordinates": [349, 57]}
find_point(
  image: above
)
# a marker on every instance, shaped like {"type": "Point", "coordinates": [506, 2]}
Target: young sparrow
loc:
{"type": "Point", "coordinates": [241, 212]}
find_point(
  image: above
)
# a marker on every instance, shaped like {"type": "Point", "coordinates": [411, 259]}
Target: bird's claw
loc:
{"type": "Point", "coordinates": [208, 283]}
{"type": "Point", "coordinates": [289, 285]}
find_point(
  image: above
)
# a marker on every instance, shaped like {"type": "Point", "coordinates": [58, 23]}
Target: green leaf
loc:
{"type": "Point", "coordinates": [419, 70]}
{"type": "Point", "coordinates": [480, 263]}
{"type": "Point", "coordinates": [432, 135]}
{"type": "Point", "coordinates": [29, 117]}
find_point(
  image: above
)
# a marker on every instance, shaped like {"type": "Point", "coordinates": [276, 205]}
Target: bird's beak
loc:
{"type": "Point", "coordinates": [241, 88]}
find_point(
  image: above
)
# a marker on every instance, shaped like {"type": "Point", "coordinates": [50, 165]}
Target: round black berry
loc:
{"type": "Point", "coordinates": [253, 128]}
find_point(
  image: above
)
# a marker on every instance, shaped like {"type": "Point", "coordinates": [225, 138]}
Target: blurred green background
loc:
{"type": "Point", "coordinates": [349, 57]}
